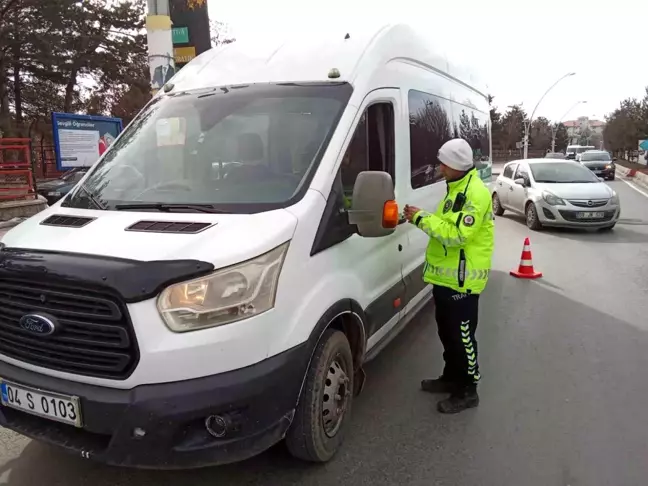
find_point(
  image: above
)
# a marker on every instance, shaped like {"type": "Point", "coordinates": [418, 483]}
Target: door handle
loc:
{"type": "Point", "coordinates": [511, 189]}
{"type": "Point", "coordinates": [500, 183]}
{"type": "Point", "coordinates": [402, 220]}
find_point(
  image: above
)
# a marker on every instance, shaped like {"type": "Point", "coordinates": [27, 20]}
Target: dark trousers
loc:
{"type": "Point", "coordinates": [456, 316]}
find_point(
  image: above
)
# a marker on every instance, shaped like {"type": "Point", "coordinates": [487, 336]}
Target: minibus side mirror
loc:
{"type": "Point", "coordinates": [373, 209]}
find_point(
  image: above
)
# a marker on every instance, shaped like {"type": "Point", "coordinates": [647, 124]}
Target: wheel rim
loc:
{"type": "Point", "coordinates": [335, 397]}
{"type": "Point", "coordinates": [530, 215]}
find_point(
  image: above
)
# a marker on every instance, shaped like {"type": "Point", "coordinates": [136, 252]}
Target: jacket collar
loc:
{"type": "Point", "coordinates": [462, 180]}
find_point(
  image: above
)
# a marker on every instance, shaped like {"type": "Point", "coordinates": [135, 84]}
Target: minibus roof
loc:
{"type": "Point", "coordinates": [353, 57]}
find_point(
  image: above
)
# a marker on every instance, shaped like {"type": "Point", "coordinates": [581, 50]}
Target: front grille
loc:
{"type": "Point", "coordinates": [587, 203]}
{"type": "Point", "coordinates": [571, 216]}
{"type": "Point", "coordinates": [169, 227]}
{"type": "Point", "coordinates": [67, 221]}
{"type": "Point", "coordinates": [94, 335]}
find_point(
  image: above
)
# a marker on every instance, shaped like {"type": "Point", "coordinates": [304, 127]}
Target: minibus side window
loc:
{"type": "Point", "coordinates": [372, 148]}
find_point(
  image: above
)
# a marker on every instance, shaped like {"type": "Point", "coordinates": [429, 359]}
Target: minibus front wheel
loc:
{"type": "Point", "coordinates": [324, 407]}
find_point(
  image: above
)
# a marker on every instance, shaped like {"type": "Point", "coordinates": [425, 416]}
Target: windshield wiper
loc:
{"type": "Point", "coordinates": [543, 181]}
{"type": "Point", "coordinates": [163, 207]}
{"type": "Point", "coordinates": [92, 197]}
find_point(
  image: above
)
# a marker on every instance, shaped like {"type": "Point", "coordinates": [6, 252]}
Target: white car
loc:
{"type": "Point", "coordinates": [555, 193]}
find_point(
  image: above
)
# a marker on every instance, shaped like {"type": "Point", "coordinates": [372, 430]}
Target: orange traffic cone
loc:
{"type": "Point", "coordinates": [525, 270]}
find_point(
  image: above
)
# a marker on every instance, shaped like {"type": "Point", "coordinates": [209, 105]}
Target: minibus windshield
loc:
{"type": "Point", "coordinates": [239, 149]}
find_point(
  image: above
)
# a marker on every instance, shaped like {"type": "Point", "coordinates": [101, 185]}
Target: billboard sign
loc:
{"type": "Point", "coordinates": [180, 35]}
{"type": "Point", "coordinates": [79, 140]}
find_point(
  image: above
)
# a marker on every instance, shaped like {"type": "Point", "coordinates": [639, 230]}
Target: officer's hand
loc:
{"type": "Point", "coordinates": [410, 211]}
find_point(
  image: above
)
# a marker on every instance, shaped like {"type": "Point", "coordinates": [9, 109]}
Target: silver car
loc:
{"type": "Point", "coordinates": [555, 193]}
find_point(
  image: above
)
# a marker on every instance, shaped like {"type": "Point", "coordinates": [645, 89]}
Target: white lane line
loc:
{"type": "Point", "coordinates": [632, 186]}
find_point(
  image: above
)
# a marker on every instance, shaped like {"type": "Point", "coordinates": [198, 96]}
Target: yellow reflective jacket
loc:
{"type": "Point", "coordinates": [461, 243]}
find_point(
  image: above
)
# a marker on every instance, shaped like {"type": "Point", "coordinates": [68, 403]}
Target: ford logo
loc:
{"type": "Point", "coordinates": [37, 324]}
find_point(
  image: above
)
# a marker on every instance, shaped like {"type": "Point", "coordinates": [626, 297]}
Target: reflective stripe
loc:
{"type": "Point", "coordinates": [471, 355]}
{"type": "Point", "coordinates": [526, 263]}
{"type": "Point", "coordinates": [453, 272]}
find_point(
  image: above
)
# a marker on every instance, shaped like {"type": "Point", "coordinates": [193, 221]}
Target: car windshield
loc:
{"type": "Point", "coordinates": [592, 156]}
{"type": "Point", "coordinates": [561, 173]}
{"type": "Point", "coordinates": [237, 149]}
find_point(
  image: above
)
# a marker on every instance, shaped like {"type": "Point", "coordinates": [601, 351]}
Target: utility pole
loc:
{"type": "Point", "coordinates": [160, 43]}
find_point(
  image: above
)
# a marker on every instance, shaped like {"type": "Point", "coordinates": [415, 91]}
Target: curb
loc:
{"type": "Point", "coordinates": [638, 178]}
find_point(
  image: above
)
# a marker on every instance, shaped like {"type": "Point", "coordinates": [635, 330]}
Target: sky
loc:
{"type": "Point", "coordinates": [518, 50]}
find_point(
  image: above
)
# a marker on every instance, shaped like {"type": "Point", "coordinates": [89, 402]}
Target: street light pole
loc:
{"type": "Point", "coordinates": [554, 129]}
{"type": "Point", "coordinates": [527, 126]}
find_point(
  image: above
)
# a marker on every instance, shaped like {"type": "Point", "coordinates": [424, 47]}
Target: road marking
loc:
{"type": "Point", "coordinates": [632, 186]}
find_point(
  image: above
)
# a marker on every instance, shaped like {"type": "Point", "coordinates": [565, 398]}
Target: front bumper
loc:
{"type": "Point", "coordinates": [258, 402]}
{"type": "Point", "coordinates": [566, 216]}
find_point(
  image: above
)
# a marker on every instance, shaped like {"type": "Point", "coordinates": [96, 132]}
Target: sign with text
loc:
{"type": "Point", "coordinates": [183, 55]}
{"type": "Point", "coordinates": [79, 140]}
{"type": "Point", "coordinates": [180, 35]}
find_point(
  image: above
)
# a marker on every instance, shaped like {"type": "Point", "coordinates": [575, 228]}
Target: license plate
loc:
{"type": "Point", "coordinates": [53, 406]}
{"type": "Point", "coordinates": [590, 215]}
{"type": "Point", "coordinates": [597, 172]}
{"type": "Point", "coordinates": [52, 193]}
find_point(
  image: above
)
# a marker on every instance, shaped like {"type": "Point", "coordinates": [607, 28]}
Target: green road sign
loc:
{"type": "Point", "coordinates": [180, 35]}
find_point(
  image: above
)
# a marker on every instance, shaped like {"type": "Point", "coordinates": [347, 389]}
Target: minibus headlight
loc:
{"type": "Point", "coordinates": [228, 295]}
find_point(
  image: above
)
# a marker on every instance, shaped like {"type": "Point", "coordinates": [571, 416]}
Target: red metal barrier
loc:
{"type": "Point", "coordinates": [16, 177]}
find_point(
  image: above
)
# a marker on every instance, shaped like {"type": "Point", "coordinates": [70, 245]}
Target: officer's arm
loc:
{"type": "Point", "coordinates": [458, 232]}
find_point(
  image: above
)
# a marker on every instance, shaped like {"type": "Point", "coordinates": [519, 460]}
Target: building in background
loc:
{"type": "Point", "coordinates": [585, 131]}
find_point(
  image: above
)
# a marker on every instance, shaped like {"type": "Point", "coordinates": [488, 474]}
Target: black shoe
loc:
{"type": "Point", "coordinates": [459, 401]}
{"type": "Point", "coordinates": [438, 385]}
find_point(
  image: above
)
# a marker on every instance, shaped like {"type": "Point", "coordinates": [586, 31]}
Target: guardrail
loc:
{"type": "Point", "coordinates": [16, 175]}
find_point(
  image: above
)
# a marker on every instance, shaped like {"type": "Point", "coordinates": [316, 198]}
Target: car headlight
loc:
{"type": "Point", "coordinates": [553, 200]}
{"type": "Point", "coordinates": [225, 296]}
{"type": "Point", "coordinates": [614, 199]}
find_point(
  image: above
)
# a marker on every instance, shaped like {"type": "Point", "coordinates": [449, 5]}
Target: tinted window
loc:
{"type": "Point", "coordinates": [245, 149]}
{"type": "Point", "coordinates": [372, 146]}
{"type": "Point", "coordinates": [559, 172]}
{"type": "Point", "coordinates": [590, 156]}
{"type": "Point", "coordinates": [508, 170]}
{"type": "Point", "coordinates": [430, 127]}
{"type": "Point", "coordinates": [473, 127]}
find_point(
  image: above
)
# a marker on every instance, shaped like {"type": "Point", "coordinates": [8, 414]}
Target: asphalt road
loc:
{"type": "Point", "coordinates": [564, 363]}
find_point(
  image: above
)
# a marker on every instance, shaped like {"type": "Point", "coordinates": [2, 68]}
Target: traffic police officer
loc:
{"type": "Point", "coordinates": [458, 260]}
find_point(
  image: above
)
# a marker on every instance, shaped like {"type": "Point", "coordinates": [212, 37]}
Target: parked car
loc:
{"type": "Point", "coordinates": [55, 189]}
{"type": "Point", "coordinates": [555, 193]}
{"type": "Point", "coordinates": [555, 155]}
{"type": "Point", "coordinates": [599, 162]}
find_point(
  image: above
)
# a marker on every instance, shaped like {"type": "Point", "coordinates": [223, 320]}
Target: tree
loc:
{"type": "Point", "coordinates": [626, 125]}
{"type": "Point", "coordinates": [562, 138]}
{"type": "Point", "coordinates": [220, 33]}
{"type": "Point", "coordinates": [513, 127]}
{"type": "Point", "coordinates": [540, 134]}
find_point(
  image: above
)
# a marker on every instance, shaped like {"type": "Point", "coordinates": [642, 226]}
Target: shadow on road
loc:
{"type": "Point", "coordinates": [622, 232]}
{"type": "Point", "coordinates": [563, 398]}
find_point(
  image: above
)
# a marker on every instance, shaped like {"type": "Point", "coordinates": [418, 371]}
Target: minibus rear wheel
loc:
{"type": "Point", "coordinates": [324, 407]}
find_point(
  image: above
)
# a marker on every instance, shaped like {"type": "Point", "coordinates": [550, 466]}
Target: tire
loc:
{"type": "Point", "coordinates": [607, 228]}
{"type": "Point", "coordinates": [312, 437]}
{"type": "Point", "coordinates": [611, 178]}
{"type": "Point", "coordinates": [532, 220]}
{"type": "Point", "coordinates": [498, 210]}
